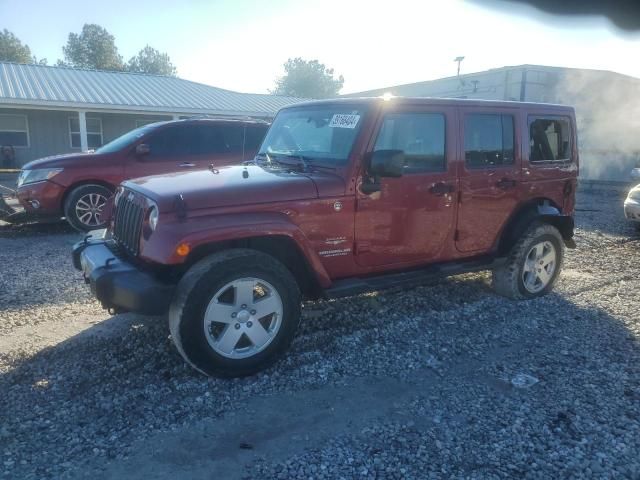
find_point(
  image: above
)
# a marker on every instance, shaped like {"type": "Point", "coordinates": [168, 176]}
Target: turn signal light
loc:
{"type": "Point", "coordinates": [183, 250]}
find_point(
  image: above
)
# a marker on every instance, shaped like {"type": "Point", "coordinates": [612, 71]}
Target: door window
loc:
{"type": "Point", "coordinates": [549, 140]}
{"type": "Point", "coordinates": [488, 140]}
{"type": "Point", "coordinates": [421, 136]}
{"type": "Point", "coordinates": [171, 141]}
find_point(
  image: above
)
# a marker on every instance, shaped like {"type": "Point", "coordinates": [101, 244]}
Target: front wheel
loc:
{"type": "Point", "coordinates": [533, 264]}
{"type": "Point", "coordinates": [84, 205]}
{"type": "Point", "coordinates": [235, 313]}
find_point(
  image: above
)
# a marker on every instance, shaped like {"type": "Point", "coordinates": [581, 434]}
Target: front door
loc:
{"type": "Point", "coordinates": [410, 219]}
{"type": "Point", "coordinates": [170, 150]}
{"type": "Point", "coordinates": [489, 176]}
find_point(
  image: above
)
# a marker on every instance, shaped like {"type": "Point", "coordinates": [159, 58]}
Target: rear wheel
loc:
{"type": "Point", "coordinates": [235, 313]}
{"type": "Point", "coordinates": [533, 264]}
{"type": "Point", "coordinates": [84, 206]}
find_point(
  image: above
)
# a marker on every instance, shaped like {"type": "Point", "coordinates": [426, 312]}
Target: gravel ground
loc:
{"type": "Point", "coordinates": [446, 380]}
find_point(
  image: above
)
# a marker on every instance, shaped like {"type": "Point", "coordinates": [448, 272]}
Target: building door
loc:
{"type": "Point", "coordinates": [409, 220]}
{"type": "Point", "coordinates": [489, 177]}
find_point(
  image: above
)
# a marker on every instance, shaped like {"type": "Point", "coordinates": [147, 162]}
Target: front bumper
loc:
{"type": "Point", "coordinates": [41, 198]}
{"type": "Point", "coordinates": [119, 285]}
{"type": "Point", "coordinates": [632, 210]}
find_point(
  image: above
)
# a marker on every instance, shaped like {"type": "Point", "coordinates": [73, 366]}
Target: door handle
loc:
{"type": "Point", "coordinates": [187, 165]}
{"type": "Point", "coordinates": [505, 183]}
{"type": "Point", "coordinates": [440, 189]}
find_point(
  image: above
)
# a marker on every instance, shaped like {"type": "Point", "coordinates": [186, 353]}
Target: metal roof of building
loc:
{"type": "Point", "coordinates": [64, 87]}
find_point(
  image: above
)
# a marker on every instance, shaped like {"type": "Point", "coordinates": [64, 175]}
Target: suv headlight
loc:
{"type": "Point", "coordinates": [153, 218]}
{"type": "Point", "coordinates": [37, 175]}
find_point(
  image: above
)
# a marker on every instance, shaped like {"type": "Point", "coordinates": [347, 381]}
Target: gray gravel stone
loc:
{"type": "Point", "coordinates": [404, 384]}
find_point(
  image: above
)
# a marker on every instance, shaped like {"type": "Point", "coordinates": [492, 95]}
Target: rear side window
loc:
{"type": "Point", "coordinates": [232, 138]}
{"type": "Point", "coordinates": [549, 139]}
{"type": "Point", "coordinates": [421, 136]}
{"type": "Point", "coordinates": [254, 136]}
{"type": "Point", "coordinates": [488, 140]}
{"type": "Point", "coordinates": [216, 139]}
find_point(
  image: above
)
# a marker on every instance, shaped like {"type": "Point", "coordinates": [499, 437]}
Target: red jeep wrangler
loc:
{"type": "Point", "coordinates": [344, 196]}
{"type": "Point", "coordinates": [78, 185]}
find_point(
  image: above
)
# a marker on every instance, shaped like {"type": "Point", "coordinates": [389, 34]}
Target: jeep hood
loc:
{"type": "Point", "coordinates": [225, 187]}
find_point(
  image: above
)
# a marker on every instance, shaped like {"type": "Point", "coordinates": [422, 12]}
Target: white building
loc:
{"type": "Point", "coordinates": [607, 107]}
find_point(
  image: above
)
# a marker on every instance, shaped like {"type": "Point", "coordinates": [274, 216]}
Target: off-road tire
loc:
{"type": "Point", "coordinates": [507, 279]}
{"type": "Point", "coordinates": [72, 199]}
{"type": "Point", "coordinates": [196, 289]}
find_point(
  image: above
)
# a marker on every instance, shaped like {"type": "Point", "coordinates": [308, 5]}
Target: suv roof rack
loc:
{"type": "Point", "coordinates": [206, 116]}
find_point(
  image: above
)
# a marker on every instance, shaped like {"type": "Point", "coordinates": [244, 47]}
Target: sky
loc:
{"type": "Point", "coordinates": [242, 45]}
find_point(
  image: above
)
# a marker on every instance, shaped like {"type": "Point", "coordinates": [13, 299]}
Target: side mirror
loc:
{"type": "Point", "coordinates": [142, 149]}
{"type": "Point", "coordinates": [387, 163]}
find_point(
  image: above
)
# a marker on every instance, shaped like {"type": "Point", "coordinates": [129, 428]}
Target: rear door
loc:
{"type": "Point", "coordinates": [411, 218]}
{"type": "Point", "coordinates": [489, 176]}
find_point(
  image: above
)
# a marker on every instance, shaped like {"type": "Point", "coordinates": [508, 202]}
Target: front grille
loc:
{"type": "Point", "coordinates": [127, 224]}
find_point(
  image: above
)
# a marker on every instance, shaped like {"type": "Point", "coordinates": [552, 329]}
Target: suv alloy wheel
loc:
{"type": "Point", "coordinates": [84, 206]}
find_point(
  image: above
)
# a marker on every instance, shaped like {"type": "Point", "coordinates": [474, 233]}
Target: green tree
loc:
{"type": "Point", "coordinates": [93, 48]}
{"type": "Point", "coordinates": [12, 49]}
{"type": "Point", "coordinates": [308, 79]}
{"type": "Point", "coordinates": [150, 60]}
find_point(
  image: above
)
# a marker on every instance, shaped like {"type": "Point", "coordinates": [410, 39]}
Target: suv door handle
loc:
{"type": "Point", "coordinates": [505, 183]}
{"type": "Point", "coordinates": [187, 165]}
{"type": "Point", "coordinates": [441, 189]}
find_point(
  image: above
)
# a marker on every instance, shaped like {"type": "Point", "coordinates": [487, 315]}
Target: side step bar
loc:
{"type": "Point", "coordinates": [409, 279]}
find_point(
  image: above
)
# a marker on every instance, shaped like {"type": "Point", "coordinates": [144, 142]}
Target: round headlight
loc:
{"type": "Point", "coordinates": [153, 218]}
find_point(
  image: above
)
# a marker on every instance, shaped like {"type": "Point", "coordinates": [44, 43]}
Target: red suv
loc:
{"type": "Point", "coordinates": [77, 186]}
{"type": "Point", "coordinates": [345, 196]}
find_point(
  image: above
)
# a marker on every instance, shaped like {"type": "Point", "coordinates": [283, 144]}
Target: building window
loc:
{"type": "Point", "coordinates": [94, 132]}
{"type": "Point", "coordinates": [488, 140]}
{"type": "Point", "coordinates": [420, 136]}
{"type": "Point", "coordinates": [145, 121]}
{"type": "Point", "coordinates": [549, 139]}
{"type": "Point", "coordinates": [14, 130]}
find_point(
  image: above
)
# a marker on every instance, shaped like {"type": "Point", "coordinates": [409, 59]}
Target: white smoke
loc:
{"type": "Point", "coordinates": [608, 116]}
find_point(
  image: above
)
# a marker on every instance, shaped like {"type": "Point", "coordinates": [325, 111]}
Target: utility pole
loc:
{"type": "Point", "coordinates": [459, 60]}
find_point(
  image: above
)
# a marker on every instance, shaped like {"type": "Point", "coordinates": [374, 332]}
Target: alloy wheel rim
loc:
{"type": "Point", "coordinates": [243, 318]}
{"type": "Point", "coordinates": [89, 207]}
{"type": "Point", "coordinates": [539, 266]}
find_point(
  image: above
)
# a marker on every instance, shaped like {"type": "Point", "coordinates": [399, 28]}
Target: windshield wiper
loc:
{"type": "Point", "coordinates": [302, 160]}
{"type": "Point", "coordinates": [306, 162]}
{"type": "Point", "coordinates": [272, 159]}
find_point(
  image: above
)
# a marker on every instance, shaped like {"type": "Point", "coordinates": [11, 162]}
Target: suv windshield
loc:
{"type": "Point", "coordinates": [319, 133]}
{"type": "Point", "coordinates": [124, 140]}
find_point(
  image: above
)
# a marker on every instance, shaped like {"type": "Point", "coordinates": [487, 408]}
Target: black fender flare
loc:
{"type": "Point", "coordinates": [543, 211]}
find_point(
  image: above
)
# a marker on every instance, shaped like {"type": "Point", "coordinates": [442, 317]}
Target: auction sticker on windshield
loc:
{"type": "Point", "coordinates": [342, 120]}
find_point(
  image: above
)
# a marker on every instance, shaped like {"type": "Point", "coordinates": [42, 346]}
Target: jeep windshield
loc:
{"type": "Point", "coordinates": [322, 135]}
